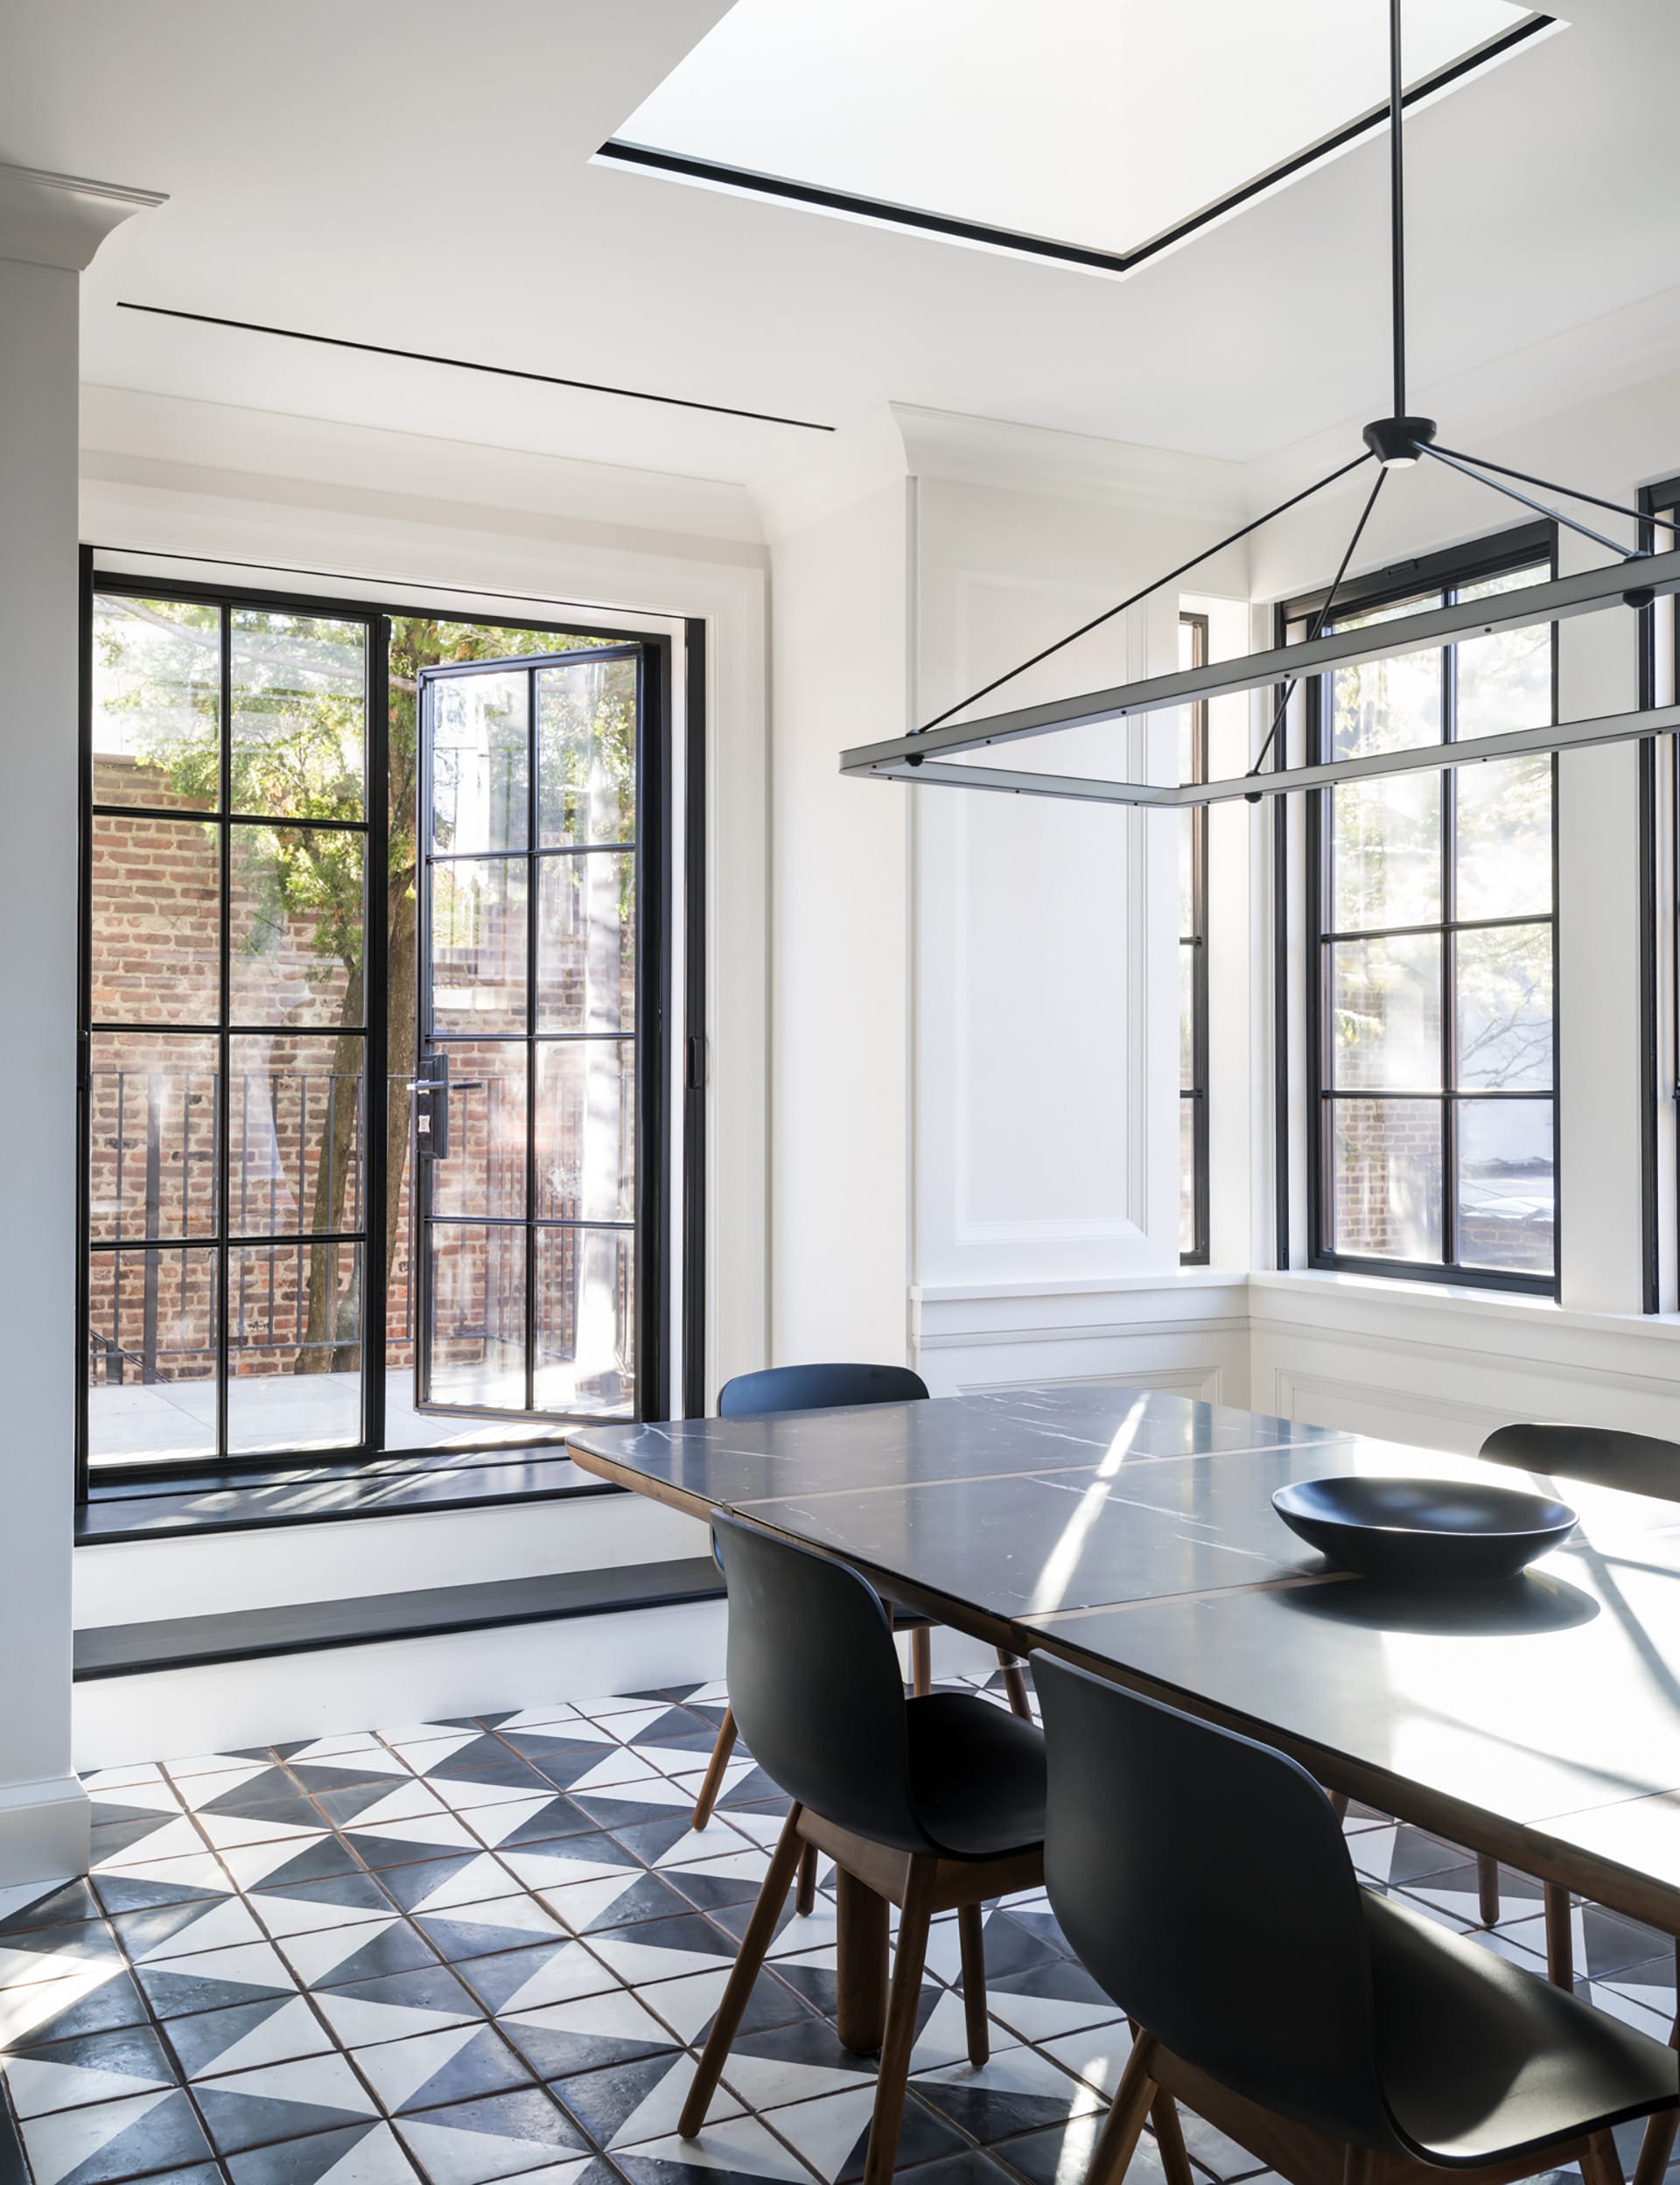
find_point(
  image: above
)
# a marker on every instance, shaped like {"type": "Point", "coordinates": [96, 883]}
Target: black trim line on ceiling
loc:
{"type": "Point", "coordinates": [882, 210]}
{"type": "Point", "coordinates": [471, 364]}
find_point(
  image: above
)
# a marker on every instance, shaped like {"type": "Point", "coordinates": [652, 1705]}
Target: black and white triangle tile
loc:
{"type": "Point", "coordinates": [280, 2029]}
{"type": "Point", "coordinates": [496, 2136]}
{"type": "Point", "coordinates": [461, 1952]}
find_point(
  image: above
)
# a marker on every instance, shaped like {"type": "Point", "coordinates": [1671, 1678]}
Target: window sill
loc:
{"type": "Point", "coordinates": [295, 1493]}
{"type": "Point", "coordinates": [1510, 1306]}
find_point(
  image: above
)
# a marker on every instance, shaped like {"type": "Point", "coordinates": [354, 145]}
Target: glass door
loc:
{"type": "Point", "coordinates": [528, 1148]}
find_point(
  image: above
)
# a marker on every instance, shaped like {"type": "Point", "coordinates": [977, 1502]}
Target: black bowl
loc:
{"type": "Point", "coordinates": [1424, 1532]}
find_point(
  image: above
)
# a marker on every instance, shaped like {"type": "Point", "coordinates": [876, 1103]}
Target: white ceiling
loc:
{"type": "Point", "coordinates": [409, 172]}
{"type": "Point", "coordinates": [1099, 122]}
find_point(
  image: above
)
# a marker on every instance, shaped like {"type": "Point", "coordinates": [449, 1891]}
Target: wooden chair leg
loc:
{"type": "Point", "coordinates": [894, 2069]}
{"type": "Point", "coordinates": [921, 1661]}
{"type": "Point", "coordinates": [1655, 2150]}
{"type": "Point", "coordinates": [1015, 1685]}
{"type": "Point", "coordinates": [1560, 1936]}
{"type": "Point", "coordinates": [1169, 2139]}
{"type": "Point", "coordinates": [1487, 1889]}
{"type": "Point", "coordinates": [761, 1931]}
{"type": "Point", "coordinates": [715, 1767]}
{"type": "Point", "coordinates": [1339, 1804]}
{"type": "Point", "coordinates": [805, 1890]}
{"type": "Point", "coordinates": [1601, 2164]}
{"type": "Point", "coordinates": [1658, 2143]}
{"type": "Point", "coordinates": [1117, 2142]}
{"type": "Point", "coordinates": [970, 1935]}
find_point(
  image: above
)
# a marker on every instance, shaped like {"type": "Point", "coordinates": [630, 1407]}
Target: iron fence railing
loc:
{"type": "Point", "coordinates": [146, 1229]}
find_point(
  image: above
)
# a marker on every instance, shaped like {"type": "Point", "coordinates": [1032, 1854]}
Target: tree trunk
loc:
{"type": "Point", "coordinates": [400, 1055]}
{"type": "Point", "coordinates": [333, 1171]}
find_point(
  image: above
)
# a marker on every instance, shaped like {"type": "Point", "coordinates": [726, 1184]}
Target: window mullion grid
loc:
{"type": "Point", "coordinates": [1320, 833]}
{"type": "Point", "coordinates": [224, 1044]}
{"type": "Point", "coordinates": [533, 883]}
{"type": "Point", "coordinates": [1199, 1112]}
{"type": "Point", "coordinates": [1449, 964]}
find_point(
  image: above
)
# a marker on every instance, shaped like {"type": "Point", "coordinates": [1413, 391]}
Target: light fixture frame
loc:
{"type": "Point", "coordinates": [918, 757]}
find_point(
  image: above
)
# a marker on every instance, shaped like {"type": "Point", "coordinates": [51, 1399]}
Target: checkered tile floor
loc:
{"type": "Point", "coordinates": [458, 1953]}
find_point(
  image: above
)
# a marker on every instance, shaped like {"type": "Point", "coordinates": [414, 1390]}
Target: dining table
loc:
{"type": "Point", "coordinates": [1131, 1531]}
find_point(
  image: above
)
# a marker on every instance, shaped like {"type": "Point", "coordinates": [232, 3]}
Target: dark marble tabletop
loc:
{"type": "Point", "coordinates": [1135, 1529]}
{"type": "Point", "coordinates": [727, 1462]}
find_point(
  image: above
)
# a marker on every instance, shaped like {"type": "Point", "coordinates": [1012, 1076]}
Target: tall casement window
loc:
{"type": "Point", "coordinates": [1432, 1120]}
{"type": "Point", "coordinates": [1193, 966]}
{"type": "Point", "coordinates": [1660, 955]}
{"type": "Point", "coordinates": [375, 982]}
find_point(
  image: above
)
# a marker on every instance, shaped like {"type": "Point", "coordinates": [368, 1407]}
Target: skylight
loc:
{"type": "Point", "coordinates": [1095, 127]}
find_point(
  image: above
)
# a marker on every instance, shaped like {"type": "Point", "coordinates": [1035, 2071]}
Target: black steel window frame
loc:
{"type": "Point", "coordinates": [1659, 1056]}
{"type": "Point", "coordinates": [650, 1223]}
{"type": "Point", "coordinates": [1196, 942]}
{"type": "Point", "coordinates": [1523, 547]}
{"type": "Point", "coordinates": [655, 973]}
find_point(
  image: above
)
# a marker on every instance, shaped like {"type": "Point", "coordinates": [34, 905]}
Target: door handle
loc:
{"type": "Point", "coordinates": [431, 1095]}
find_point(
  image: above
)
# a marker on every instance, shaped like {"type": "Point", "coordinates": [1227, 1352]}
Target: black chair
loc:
{"type": "Point", "coordinates": [1604, 1456]}
{"type": "Point", "coordinates": [931, 1803]}
{"type": "Point", "coordinates": [1203, 1880]}
{"type": "Point", "coordinates": [1601, 1456]}
{"type": "Point", "coordinates": [833, 1388]}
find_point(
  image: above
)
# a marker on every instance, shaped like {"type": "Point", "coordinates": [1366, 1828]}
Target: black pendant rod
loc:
{"type": "Point", "coordinates": [1319, 621]}
{"type": "Point", "coordinates": [1570, 492]}
{"type": "Point", "coordinates": [1108, 613]}
{"type": "Point", "coordinates": [1557, 515]}
{"type": "Point", "coordinates": [1396, 211]}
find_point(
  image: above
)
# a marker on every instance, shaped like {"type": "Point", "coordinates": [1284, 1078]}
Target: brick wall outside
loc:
{"type": "Point", "coordinates": [153, 1152]}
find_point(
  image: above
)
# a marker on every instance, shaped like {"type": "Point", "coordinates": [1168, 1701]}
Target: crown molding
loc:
{"type": "Point", "coordinates": [60, 220]}
{"type": "Point", "coordinates": [995, 452]}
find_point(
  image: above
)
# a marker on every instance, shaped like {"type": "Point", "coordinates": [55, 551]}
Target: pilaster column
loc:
{"type": "Point", "coordinates": [51, 225]}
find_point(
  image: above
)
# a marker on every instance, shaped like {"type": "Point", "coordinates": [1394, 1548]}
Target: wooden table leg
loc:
{"type": "Point", "coordinates": [860, 2014]}
{"type": "Point", "coordinates": [1560, 1935]}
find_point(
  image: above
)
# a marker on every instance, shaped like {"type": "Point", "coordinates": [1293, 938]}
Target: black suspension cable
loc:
{"type": "Point", "coordinates": [1570, 492]}
{"type": "Point", "coordinates": [1396, 211]}
{"type": "Point", "coordinates": [1319, 621]}
{"type": "Point", "coordinates": [1108, 613]}
{"type": "Point", "coordinates": [1557, 515]}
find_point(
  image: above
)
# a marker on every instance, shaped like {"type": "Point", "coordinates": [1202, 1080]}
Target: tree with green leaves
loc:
{"type": "Point", "coordinates": [297, 762]}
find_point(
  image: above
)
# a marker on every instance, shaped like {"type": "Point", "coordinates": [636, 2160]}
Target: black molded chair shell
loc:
{"type": "Point", "coordinates": [817, 1388]}
{"type": "Point", "coordinates": [1174, 1848]}
{"type": "Point", "coordinates": [816, 1690]}
{"type": "Point", "coordinates": [1605, 1456]}
{"type": "Point", "coordinates": [1480, 2060]}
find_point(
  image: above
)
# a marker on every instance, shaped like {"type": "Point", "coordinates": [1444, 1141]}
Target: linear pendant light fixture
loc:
{"type": "Point", "coordinates": [932, 754]}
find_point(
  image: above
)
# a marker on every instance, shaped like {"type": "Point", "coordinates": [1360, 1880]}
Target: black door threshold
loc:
{"type": "Point", "coordinates": [249, 1634]}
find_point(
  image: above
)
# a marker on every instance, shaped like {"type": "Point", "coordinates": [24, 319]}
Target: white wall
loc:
{"type": "Point", "coordinates": [1043, 935]}
{"type": "Point", "coordinates": [839, 1193]}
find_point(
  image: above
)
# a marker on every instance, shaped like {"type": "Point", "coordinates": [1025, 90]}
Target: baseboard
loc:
{"type": "Point", "coordinates": [42, 1831]}
{"type": "Point", "coordinates": [223, 1704]}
